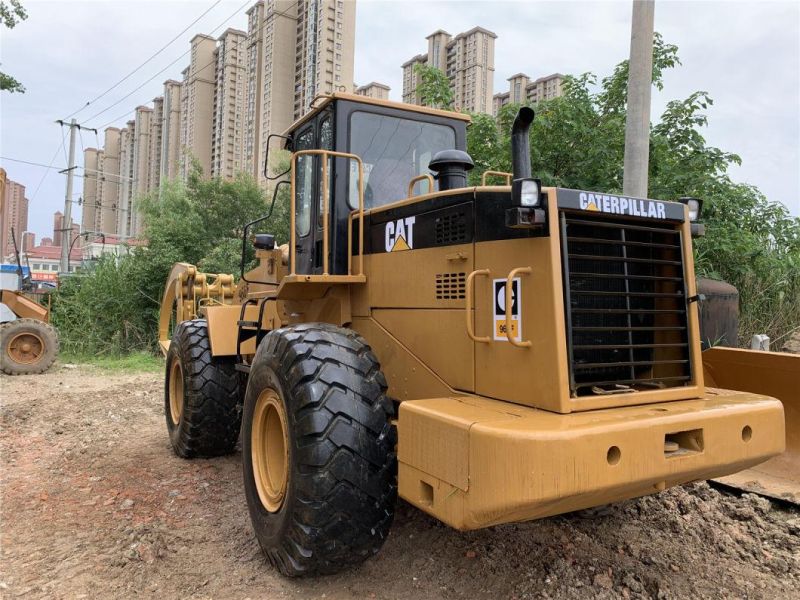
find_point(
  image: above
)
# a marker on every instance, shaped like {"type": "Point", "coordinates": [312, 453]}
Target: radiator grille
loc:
{"type": "Point", "coordinates": [450, 286]}
{"type": "Point", "coordinates": [451, 229]}
{"type": "Point", "coordinates": [626, 314]}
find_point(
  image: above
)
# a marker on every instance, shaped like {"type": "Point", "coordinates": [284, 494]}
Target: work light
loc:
{"type": "Point", "coordinates": [526, 192]}
{"type": "Point", "coordinates": [695, 207]}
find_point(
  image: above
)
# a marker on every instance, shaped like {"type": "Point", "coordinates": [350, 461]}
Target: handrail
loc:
{"type": "Point", "coordinates": [509, 299]}
{"type": "Point", "coordinates": [468, 306]}
{"type": "Point", "coordinates": [325, 154]}
{"type": "Point", "coordinates": [486, 174]}
{"type": "Point", "coordinates": [417, 179]}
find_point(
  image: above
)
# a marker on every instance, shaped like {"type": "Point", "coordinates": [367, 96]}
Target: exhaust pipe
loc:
{"type": "Point", "coordinates": [520, 143]}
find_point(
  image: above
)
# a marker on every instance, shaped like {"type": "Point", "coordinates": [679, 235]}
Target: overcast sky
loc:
{"type": "Point", "coordinates": [745, 54]}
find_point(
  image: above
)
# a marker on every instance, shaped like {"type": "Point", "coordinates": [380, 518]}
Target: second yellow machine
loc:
{"type": "Point", "coordinates": [490, 353]}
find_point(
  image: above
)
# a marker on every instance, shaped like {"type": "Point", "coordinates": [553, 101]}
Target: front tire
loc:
{"type": "Point", "coordinates": [318, 450]}
{"type": "Point", "coordinates": [202, 395]}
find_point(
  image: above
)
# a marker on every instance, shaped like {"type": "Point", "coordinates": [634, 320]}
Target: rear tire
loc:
{"type": "Point", "coordinates": [27, 346]}
{"type": "Point", "coordinates": [318, 450]}
{"type": "Point", "coordinates": [202, 395]}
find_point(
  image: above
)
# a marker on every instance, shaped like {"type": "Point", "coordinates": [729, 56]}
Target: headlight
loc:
{"type": "Point", "coordinates": [526, 192]}
{"type": "Point", "coordinates": [695, 207]}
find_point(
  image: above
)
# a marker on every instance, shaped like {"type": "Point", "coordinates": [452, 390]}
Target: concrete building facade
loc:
{"type": "Point", "coordinates": [14, 215]}
{"type": "Point", "coordinates": [228, 135]}
{"type": "Point", "coordinates": [141, 166]}
{"type": "Point", "coordinates": [468, 62]}
{"type": "Point", "coordinates": [379, 91]}
{"type": "Point", "coordinates": [155, 140]}
{"type": "Point", "coordinates": [197, 105]}
{"type": "Point", "coordinates": [171, 131]}
{"type": "Point", "coordinates": [523, 90]}
{"type": "Point", "coordinates": [105, 218]}
{"type": "Point", "coordinates": [126, 171]}
{"type": "Point", "coordinates": [89, 202]}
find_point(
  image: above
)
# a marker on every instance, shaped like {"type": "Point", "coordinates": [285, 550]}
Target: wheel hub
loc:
{"type": "Point", "coordinates": [176, 391]}
{"type": "Point", "coordinates": [26, 348]}
{"type": "Point", "coordinates": [269, 449]}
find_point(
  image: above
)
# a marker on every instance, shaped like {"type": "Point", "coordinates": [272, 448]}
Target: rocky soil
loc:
{"type": "Point", "coordinates": [95, 505]}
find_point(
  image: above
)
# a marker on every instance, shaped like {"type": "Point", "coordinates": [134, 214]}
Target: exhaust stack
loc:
{"type": "Point", "coordinates": [520, 143]}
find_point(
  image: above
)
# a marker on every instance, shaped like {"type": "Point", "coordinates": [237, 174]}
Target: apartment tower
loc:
{"type": "Point", "coordinates": [171, 132]}
{"type": "Point", "coordinates": [227, 138]}
{"type": "Point", "coordinates": [522, 90]}
{"type": "Point", "coordinates": [126, 142]}
{"type": "Point", "coordinates": [89, 202]}
{"type": "Point", "coordinates": [197, 105]}
{"type": "Point", "coordinates": [468, 61]}
{"type": "Point", "coordinates": [379, 91]}
{"type": "Point", "coordinates": [15, 215]}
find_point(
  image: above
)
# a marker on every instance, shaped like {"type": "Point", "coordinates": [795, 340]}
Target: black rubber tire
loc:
{"type": "Point", "coordinates": [44, 331]}
{"type": "Point", "coordinates": [342, 482]}
{"type": "Point", "coordinates": [211, 416]}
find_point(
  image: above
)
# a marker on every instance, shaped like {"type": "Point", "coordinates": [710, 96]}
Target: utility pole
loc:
{"type": "Point", "coordinates": [66, 226]}
{"type": "Point", "coordinates": [640, 80]}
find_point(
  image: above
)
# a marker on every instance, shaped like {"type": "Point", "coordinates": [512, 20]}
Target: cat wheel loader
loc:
{"type": "Point", "coordinates": [489, 353]}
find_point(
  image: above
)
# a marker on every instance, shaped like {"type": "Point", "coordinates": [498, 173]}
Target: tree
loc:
{"type": "Point", "coordinates": [114, 306]}
{"type": "Point", "coordinates": [578, 141]}
{"type": "Point", "coordinates": [11, 13]}
{"type": "Point", "coordinates": [434, 87]}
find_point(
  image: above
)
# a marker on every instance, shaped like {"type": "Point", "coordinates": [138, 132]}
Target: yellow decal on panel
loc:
{"type": "Point", "coordinates": [592, 206]}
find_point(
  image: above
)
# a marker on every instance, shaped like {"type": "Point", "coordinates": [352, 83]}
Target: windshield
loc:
{"type": "Point", "coordinates": [393, 151]}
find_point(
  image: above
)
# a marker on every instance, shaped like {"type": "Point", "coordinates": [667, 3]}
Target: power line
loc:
{"type": "Point", "coordinates": [246, 39]}
{"type": "Point", "coordinates": [35, 164]}
{"type": "Point", "coordinates": [159, 51]}
{"type": "Point", "coordinates": [136, 89]}
{"type": "Point", "coordinates": [50, 166]}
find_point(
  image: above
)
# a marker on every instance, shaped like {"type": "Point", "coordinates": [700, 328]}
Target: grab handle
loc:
{"type": "Point", "coordinates": [468, 306]}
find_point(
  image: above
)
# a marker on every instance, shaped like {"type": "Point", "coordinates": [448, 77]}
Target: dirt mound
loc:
{"type": "Point", "coordinates": [94, 504]}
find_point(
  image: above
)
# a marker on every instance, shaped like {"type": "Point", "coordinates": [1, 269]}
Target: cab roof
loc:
{"type": "Point", "coordinates": [322, 100]}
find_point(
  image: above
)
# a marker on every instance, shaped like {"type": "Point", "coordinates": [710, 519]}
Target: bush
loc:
{"type": "Point", "coordinates": [112, 307]}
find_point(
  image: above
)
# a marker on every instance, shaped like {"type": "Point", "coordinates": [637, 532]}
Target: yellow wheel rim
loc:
{"type": "Point", "coordinates": [26, 348]}
{"type": "Point", "coordinates": [175, 391]}
{"type": "Point", "coordinates": [269, 450]}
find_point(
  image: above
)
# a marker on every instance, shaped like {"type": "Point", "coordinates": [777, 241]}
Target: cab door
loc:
{"type": "Point", "coordinates": [309, 197]}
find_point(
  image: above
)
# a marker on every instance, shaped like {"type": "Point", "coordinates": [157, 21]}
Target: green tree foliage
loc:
{"type": "Point", "coordinates": [113, 307]}
{"type": "Point", "coordinates": [11, 13]}
{"type": "Point", "coordinates": [434, 87]}
{"type": "Point", "coordinates": [578, 141]}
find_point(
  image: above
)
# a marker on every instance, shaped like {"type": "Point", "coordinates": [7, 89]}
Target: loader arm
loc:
{"type": "Point", "coordinates": [775, 374]}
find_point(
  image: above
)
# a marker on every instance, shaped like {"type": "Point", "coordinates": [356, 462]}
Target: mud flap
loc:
{"type": "Point", "coordinates": [775, 374]}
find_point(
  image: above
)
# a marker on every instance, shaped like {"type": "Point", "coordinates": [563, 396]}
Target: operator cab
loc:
{"type": "Point", "coordinates": [395, 142]}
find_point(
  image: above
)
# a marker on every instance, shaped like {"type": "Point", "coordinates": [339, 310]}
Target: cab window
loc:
{"type": "Point", "coordinates": [304, 183]}
{"type": "Point", "coordinates": [393, 151]}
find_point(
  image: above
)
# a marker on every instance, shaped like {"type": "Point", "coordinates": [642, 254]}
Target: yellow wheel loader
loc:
{"type": "Point", "coordinates": [490, 354]}
{"type": "Point", "coordinates": [28, 343]}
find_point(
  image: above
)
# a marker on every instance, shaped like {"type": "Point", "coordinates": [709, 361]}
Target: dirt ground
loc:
{"type": "Point", "coordinates": [95, 505]}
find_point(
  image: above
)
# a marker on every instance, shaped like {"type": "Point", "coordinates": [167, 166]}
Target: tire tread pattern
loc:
{"type": "Point", "coordinates": [212, 410]}
{"type": "Point", "coordinates": [345, 479]}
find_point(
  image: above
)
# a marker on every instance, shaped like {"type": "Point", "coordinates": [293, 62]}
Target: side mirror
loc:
{"type": "Point", "coordinates": [264, 241]}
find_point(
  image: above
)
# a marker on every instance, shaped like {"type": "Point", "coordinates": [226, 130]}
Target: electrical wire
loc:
{"type": "Point", "coordinates": [271, 16]}
{"type": "Point", "coordinates": [136, 89]}
{"type": "Point", "coordinates": [159, 51]}
{"type": "Point", "coordinates": [35, 164]}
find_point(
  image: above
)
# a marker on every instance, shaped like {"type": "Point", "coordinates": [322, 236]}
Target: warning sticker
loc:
{"type": "Point", "coordinates": [500, 310]}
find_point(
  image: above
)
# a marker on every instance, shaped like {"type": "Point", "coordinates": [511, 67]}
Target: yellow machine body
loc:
{"type": "Point", "coordinates": [498, 421]}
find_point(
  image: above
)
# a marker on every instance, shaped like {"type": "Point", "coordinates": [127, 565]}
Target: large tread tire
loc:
{"type": "Point", "coordinates": [342, 467]}
{"type": "Point", "coordinates": [210, 415]}
{"type": "Point", "coordinates": [40, 331]}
